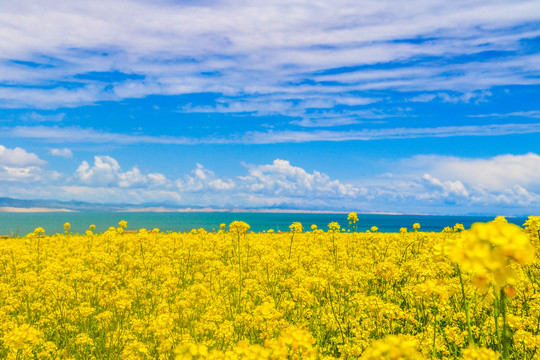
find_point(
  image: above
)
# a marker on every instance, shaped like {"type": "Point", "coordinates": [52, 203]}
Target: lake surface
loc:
{"type": "Point", "coordinates": [20, 224]}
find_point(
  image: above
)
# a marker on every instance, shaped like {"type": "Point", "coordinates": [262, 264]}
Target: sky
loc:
{"type": "Point", "coordinates": [428, 107]}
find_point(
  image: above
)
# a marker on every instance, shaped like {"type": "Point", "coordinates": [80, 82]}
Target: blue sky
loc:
{"type": "Point", "coordinates": [373, 106]}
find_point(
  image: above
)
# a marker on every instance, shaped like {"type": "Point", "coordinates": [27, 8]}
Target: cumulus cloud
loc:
{"type": "Point", "coordinates": [106, 172]}
{"type": "Point", "coordinates": [18, 157]}
{"type": "Point", "coordinates": [282, 178]}
{"type": "Point", "coordinates": [202, 179]}
{"type": "Point", "coordinates": [449, 191]}
{"type": "Point", "coordinates": [19, 165]}
{"type": "Point", "coordinates": [424, 183]}
{"type": "Point", "coordinates": [275, 184]}
{"type": "Point", "coordinates": [492, 174]}
{"type": "Point", "coordinates": [505, 180]}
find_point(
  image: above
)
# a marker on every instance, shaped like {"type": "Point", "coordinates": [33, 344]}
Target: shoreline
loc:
{"type": "Point", "coordinates": [12, 209]}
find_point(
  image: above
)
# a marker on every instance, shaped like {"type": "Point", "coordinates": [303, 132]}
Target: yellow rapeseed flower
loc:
{"type": "Point", "coordinates": [352, 217]}
{"type": "Point", "coordinates": [474, 353]}
{"type": "Point", "coordinates": [488, 249]}
{"type": "Point", "coordinates": [393, 347]}
{"type": "Point", "coordinates": [238, 227]}
{"type": "Point", "coordinates": [334, 226]}
{"type": "Point", "coordinates": [296, 227]}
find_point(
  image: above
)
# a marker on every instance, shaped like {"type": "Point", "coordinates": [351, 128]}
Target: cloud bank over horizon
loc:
{"type": "Point", "coordinates": [511, 183]}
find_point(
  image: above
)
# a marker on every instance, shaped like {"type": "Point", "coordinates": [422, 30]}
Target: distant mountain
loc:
{"type": "Point", "coordinates": [62, 205]}
{"type": "Point", "coordinates": [20, 205]}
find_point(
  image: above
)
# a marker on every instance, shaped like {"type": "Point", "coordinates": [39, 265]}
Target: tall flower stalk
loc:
{"type": "Point", "coordinates": [238, 229]}
{"type": "Point", "coordinates": [487, 251]}
{"type": "Point", "coordinates": [295, 228]}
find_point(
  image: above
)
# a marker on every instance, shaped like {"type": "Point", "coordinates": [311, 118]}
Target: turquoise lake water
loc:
{"type": "Point", "coordinates": [20, 224]}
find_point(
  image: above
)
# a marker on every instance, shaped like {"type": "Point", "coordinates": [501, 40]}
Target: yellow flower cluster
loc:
{"type": "Point", "coordinates": [304, 294]}
{"type": "Point", "coordinates": [334, 226]}
{"type": "Point", "coordinates": [292, 344]}
{"type": "Point", "coordinates": [352, 217]}
{"type": "Point", "coordinates": [22, 337]}
{"type": "Point", "coordinates": [296, 227]}
{"type": "Point", "coordinates": [489, 249]}
{"type": "Point", "coordinates": [238, 227]}
{"type": "Point", "coordinates": [393, 348]}
{"type": "Point", "coordinates": [472, 353]}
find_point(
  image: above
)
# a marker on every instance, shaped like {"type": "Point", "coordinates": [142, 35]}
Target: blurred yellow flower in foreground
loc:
{"type": "Point", "coordinates": [488, 250]}
{"type": "Point", "coordinates": [393, 348]}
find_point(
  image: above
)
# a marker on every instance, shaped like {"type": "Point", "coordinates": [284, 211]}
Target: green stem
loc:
{"type": "Point", "coordinates": [465, 307]}
{"type": "Point", "coordinates": [334, 250]}
{"type": "Point", "coordinates": [353, 245]}
{"type": "Point", "coordinates": [290, 246]}
{"type": "Point", "coordinates": [506, 330]}
{"type": "Point", "coordinates": [38, 255]}
{"type": "Point", "coordinates": [239, 278]}
{"type": "Point", "coordinates": [335, 316]}
{"type": "Point", "coordinates": [434, 331]}
{"type": "Point", "coordinates": [496, 308]}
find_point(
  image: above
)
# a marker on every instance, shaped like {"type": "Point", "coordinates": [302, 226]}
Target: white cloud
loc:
{"type": "Point", "coordinates": [23, 174]}
{"type": "Point", "coordinates": [88, 135]}
{"type": "Point", "coordinates": [18, 157]}
{"type": "Point", "coordinates": [275, 184]}
{"type": "Point", "coordinates": [282, 179]}
{"type": "Point", "coordinates": [65, 153]}
{"type": "Point", "coordinates": [202, 179]}
{"type": "Point", "coordinates": [106, 172]}
{"type": "Point", "coordinates": [448, 191]}
{"type": "Point", "coordinates": [475, 96]}
{"type": "Point", "coordinates": [158, 179]}
{"type": "Point", "coordinates": [256, 47]}
{"type": "Point", "coordinates": [492, 174]}
{"type": "Point", "coordinates": [448, 187]}
{"type": "Point", "coordinates": [533, 114]}
{"type": "Point", "coordinates": [33, 116]}
{"type": "Point", "coordinates": [427, 183]}
{"type": "Point", "coordinates": [505, 180]}
{"type": "Point", "coordinates": [294, 105]}
{"type": "Point", "coordinates": [289, 136]}
{"type": "Point", "coordinates": [42, 98]}
{"type": "Point", "coordinates": [19, 165]}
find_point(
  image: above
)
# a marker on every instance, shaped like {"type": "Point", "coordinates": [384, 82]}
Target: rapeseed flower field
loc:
{"type": "Point", "coordinates": [304, 294]}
